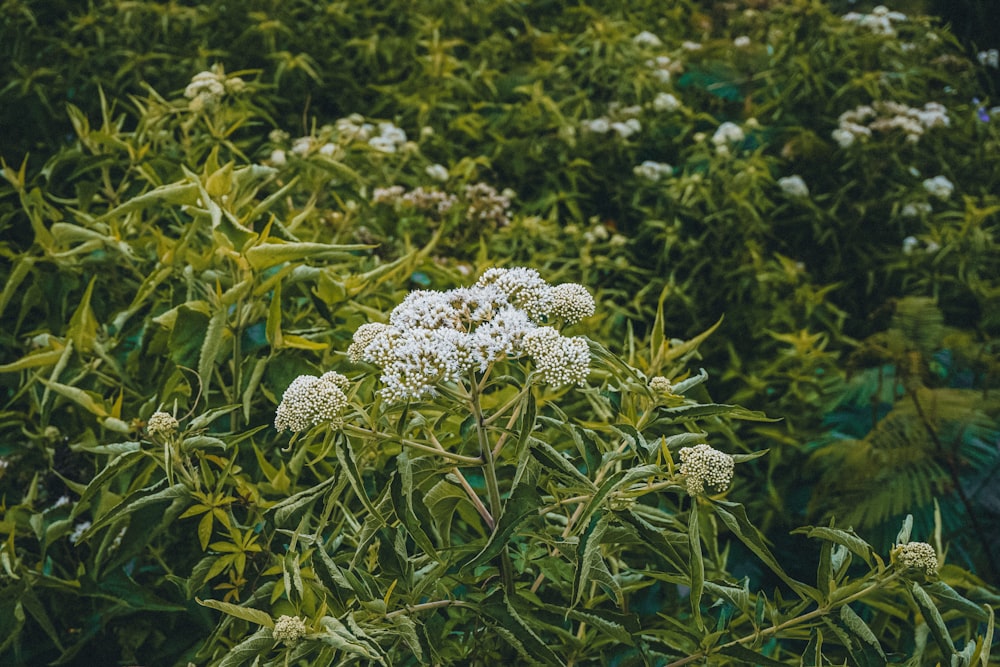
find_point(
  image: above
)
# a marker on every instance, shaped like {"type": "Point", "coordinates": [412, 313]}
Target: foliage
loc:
{"type": "Point", "coordinates": [203, 202]}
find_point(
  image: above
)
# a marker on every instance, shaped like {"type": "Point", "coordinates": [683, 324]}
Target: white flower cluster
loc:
{"type": "Point", "coordinates": [207, 88]}
{"type": "Point", "coordinates": [666, 102]}
{"type": "Point", "coordinates": [646, 38]}
{"type": "Point", "coordinates": [660, 385]}
{"type": "Point", "coordinates": [918, 555]}
{"type": "Point", "coordinates": [704, 466]}
{"type": "Point", "coordinates": [435, 337]}
{"type": "Point", "coordinates": [619, 120]}
{"type": "Point", "coordinates": [916, 209]}
{"type": "Point", "coordinates": [311, 400]}
{"type": "Point", "coordinates": [289, 629]}
{"type": "Point", "coordinates": [161, 423]}
{"type": "Point", "coordinates": [486, 206]}
{"type": "Point", "coordinates": [652, 171]}
{"type": "Point", "coordinates": [990, 58]}
{"type": "Point", "coordinates": [939, 187]}
{"type": "Point", "coordinates": [741, 42]}
{"type": "Point", "coordinates": [384, 137]}
{"type": "Point", "coordinates": [663, 68]}
{"type": "Point", "coordinates": [78, 531]}
{"type": "Point", "coordinates": [911, 244]}
{"type": "Point", "coordinates": [880, 21]}
{"type": "Point", "coordinates": [726, 135]}
{"type": "Point", "coordinates": [858, 124]}
{"type": "Point", "coordinates": [389, 138]}
{"type": "Point", "coordinates": [793, 186]}
{"type": "Point", "coordinates": [437, 172]}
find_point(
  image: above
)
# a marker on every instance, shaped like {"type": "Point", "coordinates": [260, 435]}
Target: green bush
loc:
{"type": "Point", "coordinates": [206, 205]}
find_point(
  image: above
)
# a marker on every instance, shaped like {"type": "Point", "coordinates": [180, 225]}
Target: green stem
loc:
{"type": "Point", "coordinates": [792, 622]}
{"type": "Point", "coordinates": [458, 458]}
{"type": "Point", "coordinates": [490, 473]}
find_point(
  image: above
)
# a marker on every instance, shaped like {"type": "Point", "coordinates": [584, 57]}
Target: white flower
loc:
{"type": "Point", "coordinates": [691, 46]}
{"type": "Point", "coordinates": [646, 38]}
{"type": "Point", "coordinates": [725, 135]}
{"type": "Point", "coordinates": [939, 187]}
{"type": "Point", "coordinates": [571, 302]}
{"type": "Point", "coordinates": [932, 247]}
{"type": "Point", "coordinates": [278, 158]}
{"type": "Point", "coordinates": [666, 102]}
{"type": "Point", "coordinates": [917, 555]}
{"type": "Point", "coordinates": [793, 186]}
{"type": "Point", "coordinates": [311, 400]}
{"type": "Point", "coordinates": [597, 125]}
{"type": "Point", "coordinates": [651, 170]}
{"type": "Point", "coordinates": [626, 129]}
{"type": "Point", "coordinates": [382, 144]}
{"type": "Point", "coordinates": [161, 423]}
{"type": "Point", "coordinates": [989, 58]}
{"type": "Point", "coordinates": [437, 337]}
{"type": "Point", "coordinates": [910, 244]}
{"type": "Point", "coordinates": [741, 42]}
{"type": "Point", "coordinates": [302, 145]}
{"type": "Point", "coordinates": [438, 172]}
{"type": "Point", "coordinates": [704, 466]}
{"type": "Point", "coordinates": [558, 360]}
{"type": "Point", "coordinates": [78, 531]}
{"type": "Point", "coordinates": [328, 149]}
{"type": "Point", "coordinates": [660, 385]}
{"type": "Point", "coordinates": [916, 209]}
{"type": "Point", "coordinates": [288, 629]}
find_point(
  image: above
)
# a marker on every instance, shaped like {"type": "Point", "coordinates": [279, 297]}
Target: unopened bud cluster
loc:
{"type": "Point", "coordinates": [289, 629]}
{"type": "Point", "coordinates": [161, 424]}
{"type": "Point", "coordinates": [660, 385]}
{"type": "Point", "coordinates": [207, 88]}
{"type": "Point", "coordinates": [310, 401]}
{"type": "Point", "coordinates": [919, 556]}
{"type": "Point", "coordinates": [704, 466]}
{"type": "Point", "coordinates": [434, 337]}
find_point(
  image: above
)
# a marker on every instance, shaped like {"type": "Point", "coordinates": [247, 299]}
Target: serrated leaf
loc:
{"type": "Point", "coordinates": [590, 565]}
{"type": "Point", "coordinates": [696, 411]}
{"type": "Point", "coordinates": [933, 618]}
{"type": "Point", "coordinates": [405, 503]}
{"type": "Point", "coordinates": [211, 347]}
{"type": "Point", "coordinates": [510, 625]}
{"type": "Point", "coordinates": [847, 538]}
{"type": "Point", "coordinates": [552, 459]}
{"type": "Point", "coordinates": [522, 504]}
{"type": "Point", "coordinates": [266, 255]}
{"type": "Point", "coordinates": [617, 625]}
{"type": "Point", "coordinates": [285, 509]}
{"type": "Point", "coordinates": [696, 564]}
{"type": "Point", "coordinates": [615, 481]}
{"type": "Point", "coordinates": [951, 599]}
{"type": "Point", "coordinates": [150, 495]}
{"type": "Point", "coordinates": [114, 467]}
{"type": "Point", "coordinates": [860, 630]}
{"type": "Point", "coordinates": [252, 647]}
{"type": "Point", "coordinates": [748, 657]}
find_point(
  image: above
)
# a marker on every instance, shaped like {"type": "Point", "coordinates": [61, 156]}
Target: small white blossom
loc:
{"type": "Point", "coordinates": [910, 244]}
{"type": "Point", "coordinates": [652, 171]}
{"type": "Point", "coordinates": [438, 172]}
{"type": "Point", "coordinates": [939, 187]}
{"type": "Point", "coordinates": [311, 400]}
{"type": "Point", "coordinates": [523, 288]}
{"type": "Point", "coordinates": [597, 125]}
{"type": "Point", "coordinates": [364, 335]}
{"type": "Point", "coordinates": [329, 149]}
{"type": "Point", "coordinates": [558, 360]}
{"type": "Point", "coordinates": [571, 302]}
{"type": "Point", "coordinates": [78, 531]}
{"type": "Point", "coordinates": [646, 38]}
{"type": "Point", "coordinates": [289, 629]}
{"type": "Point", "coordinates": [918, 555]}
{"type": "Point", "coordinates": [302, 146]}
{"type": "Point", "coordinates": [726, 135]}
{"type": "Point", "coordinates": [161, 424]}
{"type": "Point", "coordinates": [660, 385]}
{"type": "Point", "coordinates": [278, 158]}
{"type": "Point", "coordinates": [793, 186]}
{"type": "Point", "coordinates": [666, 102]}
{"type": "Point", "coordinates": [704, 466]}
{"type": "Point", "coordinates": [741, 42]}
{"type": "Point", "coordinates": [691, 46]}
{"type": "Point", "coordinates": [990, 58]}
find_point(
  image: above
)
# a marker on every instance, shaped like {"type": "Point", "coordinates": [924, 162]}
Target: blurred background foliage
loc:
{"type": "Point", "coordinates": [157, 253]}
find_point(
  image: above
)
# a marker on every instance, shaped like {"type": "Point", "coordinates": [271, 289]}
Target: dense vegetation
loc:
{"type": "Point", "coordinates": [732, 400]}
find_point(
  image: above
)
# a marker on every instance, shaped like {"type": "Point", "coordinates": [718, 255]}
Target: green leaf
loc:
{"type": "Point", "coordinates": [114, 467]}
{"type": "Point", "coordinates": [553, 460]}
{"type": "Point", "coordinates": [933, 618]}
{"type": "Point", "coordinates": [150, 495]}
{"type": "Point", "coordinates": [695, 411]}
{"type": "Point", "coordinates": [847, 538]}
{"type": "Point", "coordinates": [863, 634]}
{"type": "Point", "coordinates": [951, 599]}
{"type": "Point", "coordinates": [266, 255]}
{"type": "Point", "coordinates": [522, 504]}
{"type": "Point", "coordinates": [734, 515]}
{"type": "Point", "coordinates": [345, 455]}
{"type": "Point", "coordinates": [513, 628]}
{"type": "Point", "coordinates": [210, 348]}
{"type": "Point", "coordinates": [748, 657]}
{"type": "Point", "coordinates": [697, 565]}
{"type": "Point", "coordinates": [405, 502]}
{"type": "Point", "coordinates": [340, 637]}
{"type": "Point", "coordinates": [285, 509]}
{"type": "Point", "coordinates": [621, 627]}
{"type": "Point", "coordinates": [590, 565]}
{"type": "Point", "coordinates": [255, 645]}
{"type": "Point", "coordinates": [614, 482]}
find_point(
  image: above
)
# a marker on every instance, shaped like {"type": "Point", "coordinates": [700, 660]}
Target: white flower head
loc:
{"type": "Point", "coordinates": [646, 38]}
{"type": "Point", "coordinates": [572, 302]}
{"type": "Point", "coordinates": [704, 466]}
{"type": "Point", "coordinates": [666, 102]}
{"type": "Point", "coordinates": [939, 187]}
{"type": "Point", "coordinates": [660, 385]}
{"type": "Point", "coordinates": [524, 289]}
{"type": "Point", "coordinates": [917, 555]}
{"type": "Point", "coordinates": [741, 42]}
{"type": "Point", "coordinates": [916, 209]}
{"type": "Point", "coordinates": [363, 336]}
{"type": "Point", "coordinates": [438, 172]}
{"type": "Point", "coordinates": [289, 629]}
{"type": "Point", "coordinates": [910, 244]}
{"type": "Point", "coordinates": [793, 186]}
{"type": "Point", "coordinates": [652, 171]}
{"type": "Point", "coordinates": [161, 424]}
{"type": "Point", "coordinates": [558, 360]}
{"type": "Point", "coordinates": [310, 401]}
{"type": "Point", "coordinates": [727, 135]}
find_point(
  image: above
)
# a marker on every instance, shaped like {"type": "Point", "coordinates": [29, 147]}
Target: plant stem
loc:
{"type": "Point", "coordinates": [792, 622]}
{"type": "Point", "coordinates": [423, 606]}
{"type": "Point", "coordinates": [490, 473]}
{"type": "Point", "coordinates": [458, 458]}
